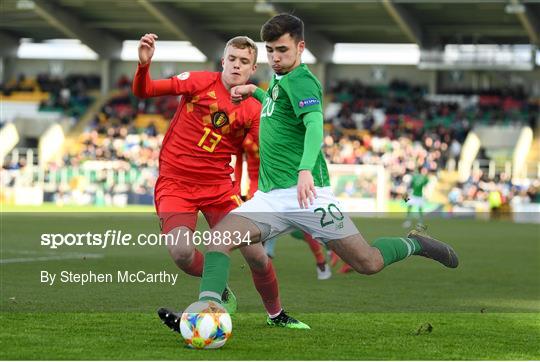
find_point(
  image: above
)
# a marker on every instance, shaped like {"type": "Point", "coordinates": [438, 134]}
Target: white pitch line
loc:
{"type": "Point", "coordinates": [47, 258]}
{"type": "Point", "coordinates": [28, 252]}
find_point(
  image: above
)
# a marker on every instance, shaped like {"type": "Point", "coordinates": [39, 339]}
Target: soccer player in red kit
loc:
{"type": "Point", "coordinates": [194, 170]}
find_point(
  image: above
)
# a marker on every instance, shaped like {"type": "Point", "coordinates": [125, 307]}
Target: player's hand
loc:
{"type": "Point", "coordinates": [241, 92]}
{"type": "Point", "coordinates": [305, 189]}
{"type": "Point", "coordinates": [146, 48]}
{"type": "Point", "coordinates": [406, 197]}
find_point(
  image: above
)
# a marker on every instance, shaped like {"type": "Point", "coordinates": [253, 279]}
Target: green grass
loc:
{"type": "Point", "coordinates": [371, 336]}
{"type": "Point", "coordinates": [488, 308]}
{"type": "Point", "coordinates": [51, 207]}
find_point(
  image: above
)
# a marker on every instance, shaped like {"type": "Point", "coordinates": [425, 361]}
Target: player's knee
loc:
{"type": "Point", "coordinates": [181, 255]}
{"type": "Point", "coordinates": [370, 269]}
{"type": "Point", "coordinates": [257, 262]}
{"type": "Point", "coordinates": [367, 267]}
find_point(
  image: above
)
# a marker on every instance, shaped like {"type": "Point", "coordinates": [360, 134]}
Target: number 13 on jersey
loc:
{"type": "Point", "coordinates": [213, 140]}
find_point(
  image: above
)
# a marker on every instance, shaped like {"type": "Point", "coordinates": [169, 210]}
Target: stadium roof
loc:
{"type": "Point", "coordinates": [104, 24]}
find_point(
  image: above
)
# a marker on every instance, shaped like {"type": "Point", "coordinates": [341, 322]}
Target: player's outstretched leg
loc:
{"type": "Point", "coordinates": [367, 259]}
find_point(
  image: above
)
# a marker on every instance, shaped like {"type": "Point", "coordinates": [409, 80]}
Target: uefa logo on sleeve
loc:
{"type": "Point", "coordinates": [308, 102]}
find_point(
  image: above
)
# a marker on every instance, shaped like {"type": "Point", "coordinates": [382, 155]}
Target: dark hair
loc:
{"type": "Point", "coordinates": [282, 24]}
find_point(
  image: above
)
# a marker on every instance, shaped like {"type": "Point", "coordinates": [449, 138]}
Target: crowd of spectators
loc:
{"type": "Point", "coordinates": [395, 126]}
{"type": "Point", "coordinates": [400, 128]}
{"type": "Point", "coordinates": [67, 94]}
{"type": "Point", "coordinates": [400, 156]}
{"type": "Point", "coordinates": [498, 193]}
{"type": "Point", "coordinates": [112, 141]}
{"type": "Point", "coordinates": [112, 162]}
{"type": "Point", "coordinates": [400, 106]}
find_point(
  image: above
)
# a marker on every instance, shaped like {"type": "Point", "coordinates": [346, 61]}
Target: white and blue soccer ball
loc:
{"type": "Point", "coordinates": [205, 325]}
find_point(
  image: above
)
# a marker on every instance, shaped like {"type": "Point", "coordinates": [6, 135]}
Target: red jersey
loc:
{"type": "Point", "coordinates": [207, 127]}
{"type": "Point", "coordinates": [251, 150]}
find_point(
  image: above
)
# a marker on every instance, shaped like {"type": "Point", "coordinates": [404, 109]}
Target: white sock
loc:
{"type": "Point", "coordinates": [275, 315]}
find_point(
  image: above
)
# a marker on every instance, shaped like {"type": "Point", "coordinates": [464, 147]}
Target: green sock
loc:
{"type": "Point", "coordinates": [396, 249]}
{"type": "Point", "coordinates": [215, 275]}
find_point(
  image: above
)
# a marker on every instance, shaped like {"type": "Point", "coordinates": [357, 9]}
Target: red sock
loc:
{"type": "Point", "coordinates": [267, 285]}
{"type": "Point", "coordinates": [345, 268]}
{"type": "Point", "coordinates": [316, 248]}
{"type": "Point", "coordinates": [334, 259]}
{"type": "Point", "coordinates": [197, 265]}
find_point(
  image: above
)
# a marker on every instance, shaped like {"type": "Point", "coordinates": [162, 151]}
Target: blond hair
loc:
{"type": "Point", "coordinates": [243, 42]}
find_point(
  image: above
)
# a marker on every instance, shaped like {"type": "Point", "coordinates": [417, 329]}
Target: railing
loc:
{"type": "Point", "coordinates": [52, 179]}
{"type": "Point", "coordinates": [30, 154]}
{"type": "Point", "coordinates": [492, 168]}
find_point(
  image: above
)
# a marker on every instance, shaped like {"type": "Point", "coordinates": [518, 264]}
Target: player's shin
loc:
{"type": "Point", "coordinates": [215, 275]}
{"type": "Point", "coordinates": [195, 268]}
{"type": "Point", "coordinates": [266, 283]}
{"type": "Point", "coordinates": [394, 249]}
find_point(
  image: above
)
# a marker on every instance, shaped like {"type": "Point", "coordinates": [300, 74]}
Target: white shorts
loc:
{"type": "Point", "coordinates": [417, 201]}
{"type": "Point", "coordinates": [277, 212]}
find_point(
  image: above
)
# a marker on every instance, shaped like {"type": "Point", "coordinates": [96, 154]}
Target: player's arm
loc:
{"type": "Point", "coordinates": [313, 121]}
{"type": "Point", "coordinates": [251, 149]}
{"type": "Point", "coordinates": [241, 92]}
{"type": "Point", "coordinates": [305, 94]}
{"type": "Point", "coordinates": [313, 140]}
{"type": "Point", "coordinates": [143, 85]}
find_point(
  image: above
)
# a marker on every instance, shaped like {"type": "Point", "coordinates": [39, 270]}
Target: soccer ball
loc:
{"type": "Point", "coordinates": [205, 325]}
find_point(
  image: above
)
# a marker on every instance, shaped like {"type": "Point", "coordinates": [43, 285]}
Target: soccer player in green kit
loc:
{"type": "Point", "coordinates": [418, 182]}
{"type": "Point", "coordinates": [294, 187]}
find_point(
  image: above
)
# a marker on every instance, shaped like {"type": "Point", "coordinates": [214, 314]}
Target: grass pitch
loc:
{"type": "Point", "coordinates": [488, 308]}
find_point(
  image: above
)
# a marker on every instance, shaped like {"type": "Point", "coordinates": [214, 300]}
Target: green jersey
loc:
{"type": "Point", "coordinates": [282, 131]}
{"type": "Point", "coordinates": [417, 184]}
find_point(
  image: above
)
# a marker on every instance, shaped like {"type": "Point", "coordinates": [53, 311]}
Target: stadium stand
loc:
{"type": "Point", "coordinates": [398, 126]}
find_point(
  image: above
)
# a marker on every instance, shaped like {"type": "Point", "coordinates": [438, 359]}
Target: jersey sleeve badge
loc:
{"type": "Point", "coordinates": [183, 76]}
{"type": "Point", "coordinates": [308, 102]}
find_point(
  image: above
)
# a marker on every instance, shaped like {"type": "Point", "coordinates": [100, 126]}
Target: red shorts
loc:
{"type": "Point", "coordinates": [178, 202]}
